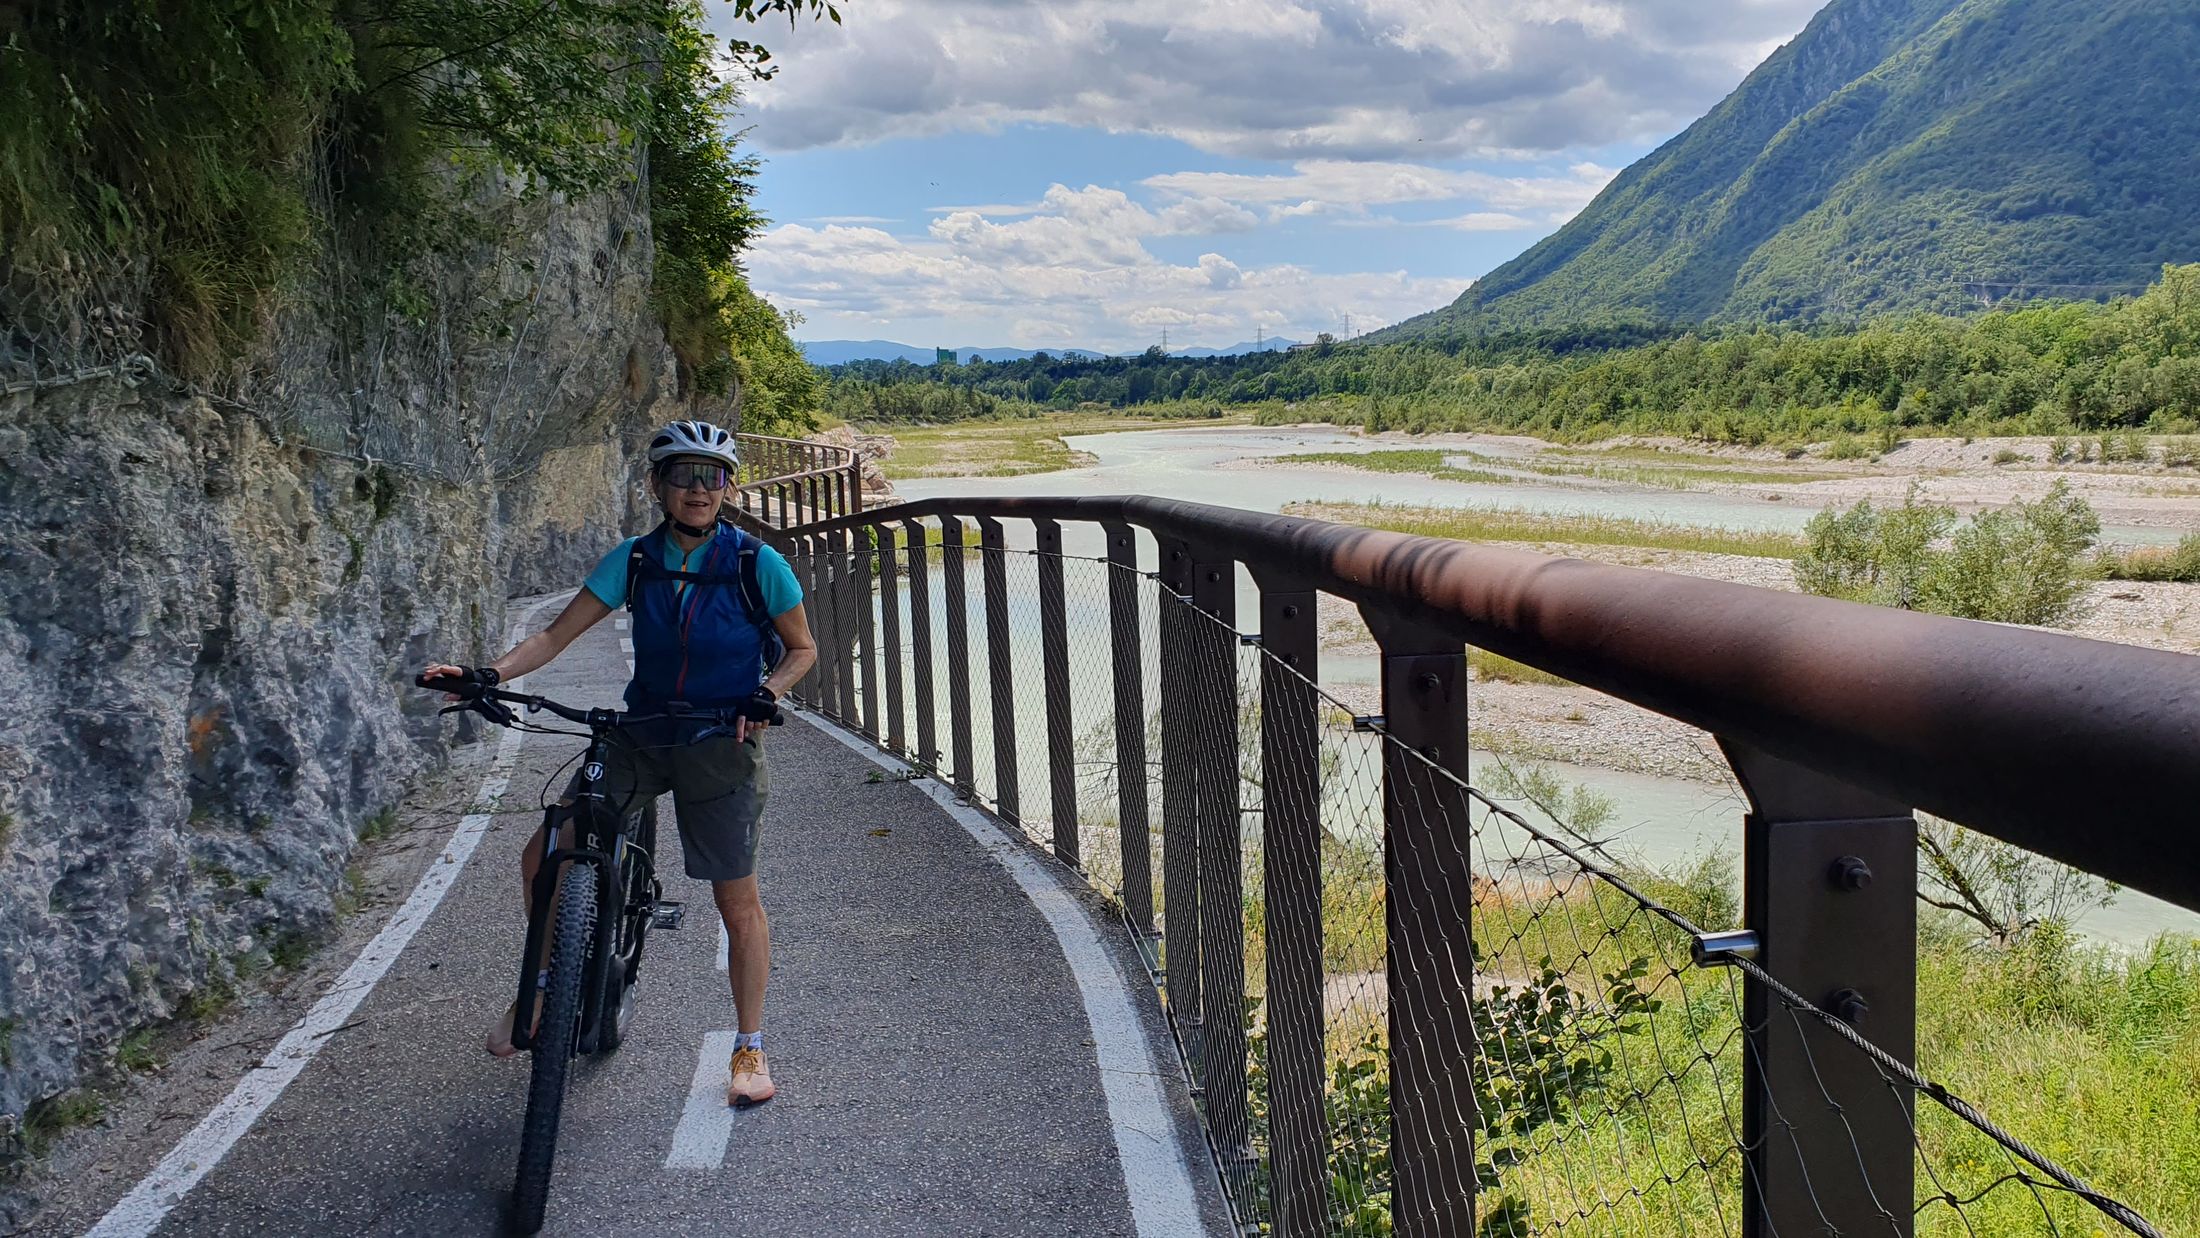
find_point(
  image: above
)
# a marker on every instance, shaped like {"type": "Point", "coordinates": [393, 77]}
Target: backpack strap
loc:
{"type": "Point", "coordinates": [646, 561]}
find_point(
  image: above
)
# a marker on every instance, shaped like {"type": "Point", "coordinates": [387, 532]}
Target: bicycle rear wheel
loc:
{"type": "Point", "coordinates": [574, 935]}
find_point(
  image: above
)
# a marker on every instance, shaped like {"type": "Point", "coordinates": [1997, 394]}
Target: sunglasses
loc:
{"type": "Point", "coordinates": [683, 474]}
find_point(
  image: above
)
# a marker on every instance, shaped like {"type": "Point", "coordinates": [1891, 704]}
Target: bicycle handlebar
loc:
{"type": "Point", "coordinates": [474, 694]}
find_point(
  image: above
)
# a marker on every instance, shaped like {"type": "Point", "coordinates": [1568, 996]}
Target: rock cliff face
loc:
{"type": "Point", "coordinates": [208, 627]}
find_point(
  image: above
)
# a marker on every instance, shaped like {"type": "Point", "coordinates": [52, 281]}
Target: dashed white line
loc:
{"type": "Point", "coordinates": [141, 1211]}
{"type": "Point", "coordinates": [1156, 1175]}
{"type": "Point", "coordinates": [724, 946]}
{"type": "Point", "coordinates": [706, 1124]}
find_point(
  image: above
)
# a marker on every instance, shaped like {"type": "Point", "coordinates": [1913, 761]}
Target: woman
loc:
{"type": "Point", "coordinates": [711, 606]}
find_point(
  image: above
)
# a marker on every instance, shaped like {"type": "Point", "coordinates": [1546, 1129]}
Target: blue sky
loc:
{"type": "Point", "coordinates": [1001, 173]}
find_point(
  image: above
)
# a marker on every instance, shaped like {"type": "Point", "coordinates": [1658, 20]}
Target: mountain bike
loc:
{"type": "Point", "coordinates": [594, 901]}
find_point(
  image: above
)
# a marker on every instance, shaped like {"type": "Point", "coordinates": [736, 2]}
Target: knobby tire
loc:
{"type": "Point", "coordinates": [624, 974]}
{"type": "Point", "coordinates": [573, 935]}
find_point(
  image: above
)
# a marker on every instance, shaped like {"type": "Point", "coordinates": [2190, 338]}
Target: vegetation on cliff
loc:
{"type": "Point", "coordinates": [174, 164]}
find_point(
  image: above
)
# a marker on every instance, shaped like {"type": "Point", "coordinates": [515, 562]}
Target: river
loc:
{"type": "Point", "coordinates": [1662, 821]}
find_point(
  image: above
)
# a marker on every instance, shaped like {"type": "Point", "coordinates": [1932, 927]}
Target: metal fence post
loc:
{"type": "Point", "coordinates": [1829, 883]}
{"type": "Point", "coordinates": [864, 564]}
{"type": "Point", "coordinates": [920, 643]}
{"type": "Point", "coordinates": [1427, 905]}
{"type": "Point", "coordinates": [993, 549]}
{"type": "Point", "coordinates": [958, 652]}
{"type": "Point", "coordinates": [889, 610]}
{"type": "Point", "coordinates": [1179, 806]}
{"type": "Point", "coordinates": [855, 484]}
{"type": "Point", "coordinates": [1291, 888]}
{"type": "Point", "coordinates": [805, 566]}
{"type": "Point", "coordinates": [1054, 669]}
{"type": "Point", "coordinates": [1214, 681]}
{"type": "Point", "coordinates": [1130, 728]}
{"type": "Point", "coordinates": [845, 626]}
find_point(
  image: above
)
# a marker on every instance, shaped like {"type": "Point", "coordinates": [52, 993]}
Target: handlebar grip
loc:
{"type": "Point", "coordinates": [441, 683]}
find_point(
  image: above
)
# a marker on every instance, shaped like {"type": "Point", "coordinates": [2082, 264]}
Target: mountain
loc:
{"type": "Point", "coordinates": [836, 352]}
{"type": "Point", "coordinates": [1898, 154]}
{"type": "Point", "coordinates": [1239, 349]}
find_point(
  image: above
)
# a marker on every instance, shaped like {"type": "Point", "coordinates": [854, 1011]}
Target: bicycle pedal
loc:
{"type": "Point", "coordinates": [667, 915]}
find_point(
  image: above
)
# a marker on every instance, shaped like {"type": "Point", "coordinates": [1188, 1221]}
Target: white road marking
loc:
{"type": "Point", "coordinates": [706, 1125]}
{"type": "Point", "coordinates": [141, 1211]}
{"type": "Point", "coordinates": [724, 946]}
{"type": "Point", "coordinates": [619, 622]}
{"type": "Point", "coordinates": [626, 645]}
{"type": "Point", "coordinates": [1156, 1172]}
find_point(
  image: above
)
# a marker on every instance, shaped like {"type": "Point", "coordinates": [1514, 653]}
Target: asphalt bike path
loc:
{"type": "Point", "coordinates": [936, 1064]}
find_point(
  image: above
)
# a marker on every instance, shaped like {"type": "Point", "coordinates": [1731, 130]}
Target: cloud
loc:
{"type": "Point", "coordinates": [1076, 274]}
{"type": "Point", "coordinates": [1359, 80]}
{"type": "Point", "coordinates": [1314, 185]}
{"type": "Point", "coordinates": [853, 219]}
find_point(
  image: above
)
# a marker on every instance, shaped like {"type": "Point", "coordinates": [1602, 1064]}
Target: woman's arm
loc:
{"type": "Point", "coordinates": [585, 611]}
{"type": "Point", "coordinates": [794, 630]}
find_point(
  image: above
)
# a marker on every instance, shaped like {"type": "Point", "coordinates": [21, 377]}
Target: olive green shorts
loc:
{"type": "Point", "coordinates": [718, 791]}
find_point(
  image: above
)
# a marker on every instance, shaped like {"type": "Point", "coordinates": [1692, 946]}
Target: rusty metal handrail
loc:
{"type": "Point", "coordinates": [2082, 750]}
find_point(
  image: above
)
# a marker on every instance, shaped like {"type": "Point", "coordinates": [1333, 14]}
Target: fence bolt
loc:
{"type": "Point", "coordinates": [1849, 1006]}
{"type": "Point", "coordinates": [1428, 683]}
{"type": "Point", "coordinates": [1851, 873]}
{"type": "Point", "coordinates": [1290, 612]}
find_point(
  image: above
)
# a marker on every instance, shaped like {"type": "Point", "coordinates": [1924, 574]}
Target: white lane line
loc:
{"type": "Point", "coordinates": [141, 1211]}
{"type": "Point", "coordinates": [724, 946]}
{"type": "Point", "coordinates": [619, 622]}
{"type": "Point", "coordinates": [1156, 1173]}
{"type": "Point", "coordinates": [706, 1125]}
{"type": "Point", "coordinates": [626, 646]}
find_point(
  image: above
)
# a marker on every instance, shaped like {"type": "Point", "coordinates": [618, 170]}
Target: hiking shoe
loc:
{"type": "Point", "coordinates": [752, 1080]}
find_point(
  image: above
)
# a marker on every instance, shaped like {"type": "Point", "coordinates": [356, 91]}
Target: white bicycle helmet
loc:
{"type": "Point", "coordinates": [694, 438]}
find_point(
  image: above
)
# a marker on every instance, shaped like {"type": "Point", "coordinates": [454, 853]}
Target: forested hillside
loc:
{"type": "Point", "coordinates": [2053, 368]}
{"type": "Point", "coordinates": [1898, 154]}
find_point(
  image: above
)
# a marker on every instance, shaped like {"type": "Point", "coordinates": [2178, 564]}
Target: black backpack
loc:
{"type": "Point", "coordinates": [646, 562]}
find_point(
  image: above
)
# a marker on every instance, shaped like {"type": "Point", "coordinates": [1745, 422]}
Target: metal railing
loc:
{"type": "Point", "coordinates": [792, 481]}
{"type": "Point", "coordinates": [1408, 1007]}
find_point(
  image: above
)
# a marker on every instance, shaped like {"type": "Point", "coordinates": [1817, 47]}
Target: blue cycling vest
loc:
{"type": "Point", "coordinates": [694, 641]}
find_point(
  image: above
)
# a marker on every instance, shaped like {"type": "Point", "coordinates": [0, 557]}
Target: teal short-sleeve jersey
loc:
{"type": "Point", "coordinates": [782, 592]}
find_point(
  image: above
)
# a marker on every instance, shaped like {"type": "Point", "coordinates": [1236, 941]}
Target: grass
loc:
{"type": "Point", "coordinates": [2173, 563]}
{"type": "Point", "coordinates": [1490, 666]}
{"type": "Point", "coordinates": [1008, 447]}
{"type": "Point", "coordinates": [2089, 1054]}
{"type": "Point", "coordinates": [1645, 467]}
{"type": "Point", "coordinates": [1428, 463]}
{"type": "Point", "coordinates": [1507, 525]}
{"type": "Point", "coordinates": [49, 1119]}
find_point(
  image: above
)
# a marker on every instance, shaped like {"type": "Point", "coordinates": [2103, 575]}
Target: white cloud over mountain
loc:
{"type": "Point", "coordinates": [1078, 277]}
{"type": "Point", "coordinates": [1279, 79]}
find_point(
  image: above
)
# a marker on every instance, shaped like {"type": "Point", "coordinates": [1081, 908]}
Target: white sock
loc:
{"type": "Point", "coordinates": [748, 1040]}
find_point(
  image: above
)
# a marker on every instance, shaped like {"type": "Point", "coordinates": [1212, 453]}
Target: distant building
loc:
{"type": "Point", "coordinates": [944, 356]}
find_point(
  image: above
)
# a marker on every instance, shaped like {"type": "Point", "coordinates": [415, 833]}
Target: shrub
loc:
{"type": "Point", "coordinates": [2179, 563]}
{"type": "Point", "coordinates": [2007, 456]}
{"type": "Point", "coordinates": [2022, 564]}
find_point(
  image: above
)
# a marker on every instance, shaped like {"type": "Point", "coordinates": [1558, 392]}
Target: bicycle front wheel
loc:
{"type": "Point", "coordinates": [574, 935]}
